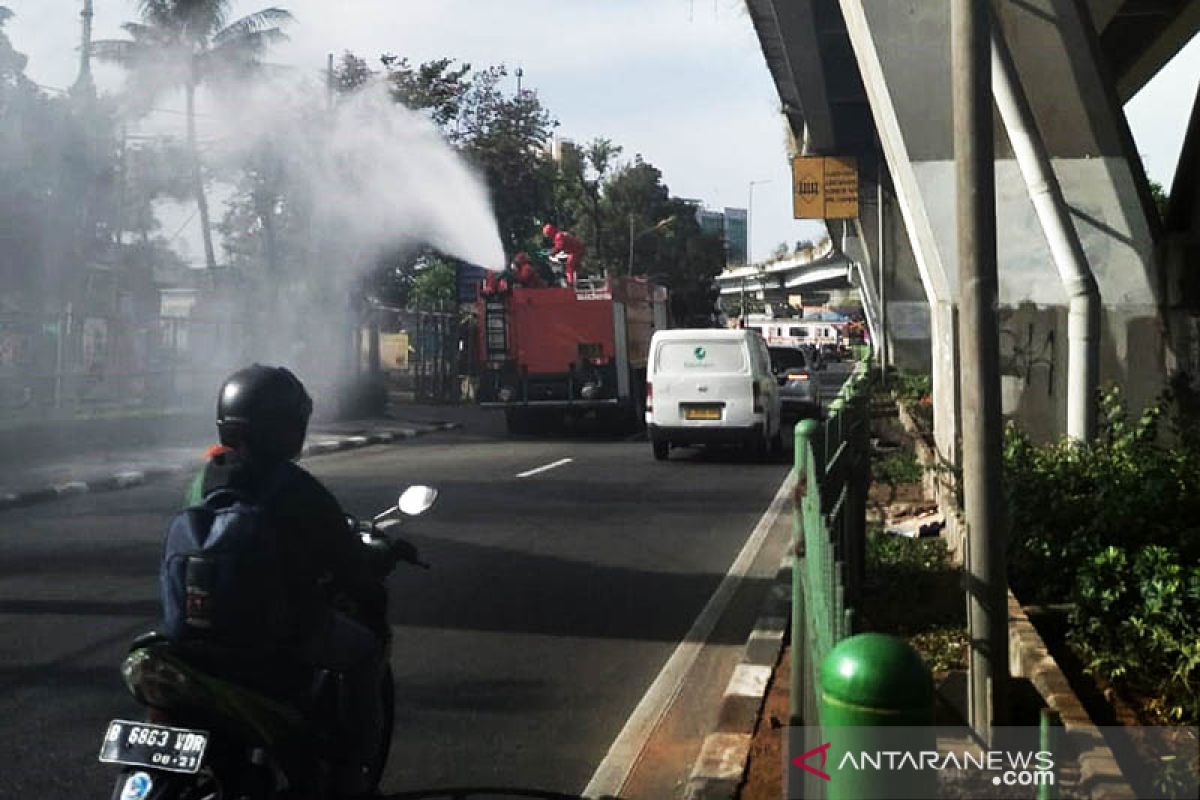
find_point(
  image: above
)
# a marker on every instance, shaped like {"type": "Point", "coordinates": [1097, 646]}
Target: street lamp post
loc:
{"type": "Point", "coordinates": [633, 237]}
{"type": "Point", "coordinates": [749, 217]}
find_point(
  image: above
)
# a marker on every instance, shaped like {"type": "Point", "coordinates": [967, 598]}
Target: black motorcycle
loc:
{"type": "Point", "coordinates": [220, 725]}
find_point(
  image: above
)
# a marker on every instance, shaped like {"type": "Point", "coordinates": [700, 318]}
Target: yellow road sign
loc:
{"type": "Point", "coordinates": [824, 187]}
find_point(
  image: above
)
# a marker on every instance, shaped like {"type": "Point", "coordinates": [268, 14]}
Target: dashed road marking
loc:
{"type": "Point", "coordinates": [545, 467]}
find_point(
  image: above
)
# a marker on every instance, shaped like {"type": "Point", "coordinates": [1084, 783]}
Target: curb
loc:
{"type": "Point", "coordinates": [127, 479]}
{"type": "Point", "coordinates": [721, 765]}
{"type": "Point", "coordinates": [1100, 775]}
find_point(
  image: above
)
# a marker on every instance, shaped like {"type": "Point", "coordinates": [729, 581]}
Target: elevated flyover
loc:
{"type": "Point", "coordinates": [873, 80]}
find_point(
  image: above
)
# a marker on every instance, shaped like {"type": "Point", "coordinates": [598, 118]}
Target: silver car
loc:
{"type": "Point", "coordinates": [798, 392]}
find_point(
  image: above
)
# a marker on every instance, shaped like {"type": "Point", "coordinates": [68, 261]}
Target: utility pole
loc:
{"type": "Point", "coordinates": [520, 74]}
{"type": "Point", "coordinates": [881, 173]}
{"type": "Point", "coordinates": [84, 85]}
{"type": "Point", "coordinates": [329, 85]}
{"type": "Point", "coordinates": [749, 214]}
{"type": "Point", "coordinates": [979, 356]}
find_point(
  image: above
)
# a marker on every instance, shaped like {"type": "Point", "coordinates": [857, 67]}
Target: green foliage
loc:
{"type": "Point", "coordinates": [911, 385]}
{"type": "Point", "coordinates": [1136, 620]}
{"type": "Point", "coordinates": [1160, 197]}
{"type": "Point", "coordinates": [434, 286]}
{"type": "Point", "coordinates": [1114, 528]}
{"type": "Point", "coordinates": [897, 468]}
{"type": "Point", "coordinates": [913, 591]}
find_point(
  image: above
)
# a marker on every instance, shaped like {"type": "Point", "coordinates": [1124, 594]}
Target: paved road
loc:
{"type": "Point", "coordinates": [554, 601]}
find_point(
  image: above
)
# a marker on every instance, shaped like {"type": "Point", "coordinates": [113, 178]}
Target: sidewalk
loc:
{"type": "Point", "coordinates": [44, 461]}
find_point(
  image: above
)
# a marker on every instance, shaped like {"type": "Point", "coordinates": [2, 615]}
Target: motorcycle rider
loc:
{"type": "Point", "coordinates": [262, 419]}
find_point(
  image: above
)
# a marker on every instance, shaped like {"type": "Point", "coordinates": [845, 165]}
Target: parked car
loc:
{"type": "Point", "coordinates": [799, 395]}
{"type": "Point", "coordinates": [711, 386]}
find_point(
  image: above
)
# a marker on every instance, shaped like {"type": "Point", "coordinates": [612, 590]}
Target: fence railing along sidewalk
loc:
{"type": "Point", "coordinates": [844, 685]}
{"type": "Point", "coordinates": [832, 463]}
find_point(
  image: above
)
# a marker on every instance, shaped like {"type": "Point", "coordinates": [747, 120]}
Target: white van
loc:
{"type": "Point", "coordinates": [711, 386]}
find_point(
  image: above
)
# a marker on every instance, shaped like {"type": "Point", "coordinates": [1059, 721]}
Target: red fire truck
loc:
{"type": "Point", "coordinates": [549, 353]}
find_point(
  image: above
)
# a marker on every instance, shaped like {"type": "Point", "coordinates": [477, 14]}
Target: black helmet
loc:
{"type": "Point", "coordinates": [264, 410]}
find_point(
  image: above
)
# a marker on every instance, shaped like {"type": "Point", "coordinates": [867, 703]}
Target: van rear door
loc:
{"type": "Point", "coordinates": [702, 382]}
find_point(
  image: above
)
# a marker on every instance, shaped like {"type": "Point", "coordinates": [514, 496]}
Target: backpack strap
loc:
{"type": "Point", "coordinates": [227, 495]}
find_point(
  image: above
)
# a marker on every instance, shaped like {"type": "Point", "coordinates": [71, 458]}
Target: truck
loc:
{"type": "Point", "coordinates": [555, 352]}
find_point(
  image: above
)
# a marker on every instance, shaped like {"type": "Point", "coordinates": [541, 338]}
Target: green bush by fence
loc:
{"type": "Point", "coordinates": [1113, 528]}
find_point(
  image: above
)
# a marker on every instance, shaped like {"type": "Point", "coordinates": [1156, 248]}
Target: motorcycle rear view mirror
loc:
{"type": "Point", "coordinates": [416, 500]}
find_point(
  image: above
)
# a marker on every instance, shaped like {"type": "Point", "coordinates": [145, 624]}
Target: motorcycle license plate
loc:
{"type": "Point", "coordinates": [143, 744]}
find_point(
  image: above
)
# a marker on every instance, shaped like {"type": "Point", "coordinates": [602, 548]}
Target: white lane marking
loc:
{"type": "Point", "coordinates": [535, 471]}
{"type": "Point", "coordinates": [609, 778]}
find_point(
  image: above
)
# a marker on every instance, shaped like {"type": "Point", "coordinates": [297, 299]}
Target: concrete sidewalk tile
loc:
{"type": "Point", "coordinates": [743, 698]}
{"type": "Point", "coordinates": [764, 645]}
{"type": "Point", "coordinates": [709, 789]}
{"type": "Point", "coordinates": [131, 477]}
{"type": "Point", "coordinates": [722, 757]}
{"type": "Point", "coordinates": [356, 441]}
{"type": "Point", "coordinates": [749, 680]}
{"type": "Point", "coordinates": [70, 488]}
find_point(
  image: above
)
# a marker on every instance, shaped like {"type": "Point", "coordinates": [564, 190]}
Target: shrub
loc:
{"type": "Point", "coordinates": [901, 467]}
{"type": "Point", "coordinates": [1136, 620]}
{"type": "Point", "coordinates": [912, 385]}
{"type": "Point", "coordinates": [1113, 528]}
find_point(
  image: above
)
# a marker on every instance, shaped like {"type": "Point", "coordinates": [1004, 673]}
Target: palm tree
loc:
{"type": "Point", "coordinates": [183, 43]}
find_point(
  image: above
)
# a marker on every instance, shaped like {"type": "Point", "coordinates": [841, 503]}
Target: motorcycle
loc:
{"type": "Point", "coordinates": [220, 726]}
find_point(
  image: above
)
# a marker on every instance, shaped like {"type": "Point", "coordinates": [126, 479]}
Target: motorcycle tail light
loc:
{"type": "Point", "coordinates": [153, 680]}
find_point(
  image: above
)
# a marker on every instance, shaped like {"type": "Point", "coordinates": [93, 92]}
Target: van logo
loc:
{"type": "Point", "coordinates": [700, 353]}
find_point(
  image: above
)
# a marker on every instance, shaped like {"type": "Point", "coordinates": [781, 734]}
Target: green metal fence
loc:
{"type": "Point", "coordinates": [829, 536]}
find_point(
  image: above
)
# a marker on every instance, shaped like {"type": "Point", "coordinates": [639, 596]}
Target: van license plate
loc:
{"type": "Point", "coordinates": [702, 412]}
{"type": "Point", "coordinates": [142, 744]}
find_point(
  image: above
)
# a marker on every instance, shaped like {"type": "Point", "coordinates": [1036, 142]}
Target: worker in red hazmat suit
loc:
{"type": "Point", "coordinates": [568, 244]}
{"type": "Point", "coordinates": [525, 273]}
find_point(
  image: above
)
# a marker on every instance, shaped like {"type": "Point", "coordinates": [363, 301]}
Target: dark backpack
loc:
{"type": "Point", "coordinates": [222, 575]}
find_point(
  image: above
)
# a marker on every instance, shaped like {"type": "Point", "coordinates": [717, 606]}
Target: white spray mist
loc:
{"type": "Point", "coordinates": [379, 178]}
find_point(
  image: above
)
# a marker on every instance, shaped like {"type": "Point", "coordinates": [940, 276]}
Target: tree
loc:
{"type": "Point", "coordinates": [184, 43]}
{"type": "Point", "coordinates": [351, 73]}
{"type": "Point", "coordinates": [437, 87]}
{"type": "Point", "coordinates": [57, 180]}
{"type": "Point", "coordinates": [1161, 200]}
{"type": "Point", "coordinates": [434, 285]}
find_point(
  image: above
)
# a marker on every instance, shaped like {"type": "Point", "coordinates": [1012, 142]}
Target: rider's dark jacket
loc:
{"type": "Point", "coordinates": [320, 552]}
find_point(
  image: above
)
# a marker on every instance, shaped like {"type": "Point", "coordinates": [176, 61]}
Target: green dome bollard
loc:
{"type": "Point", "coordinates": [872, 681]}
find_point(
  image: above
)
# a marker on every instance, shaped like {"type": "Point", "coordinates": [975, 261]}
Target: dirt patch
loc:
{"type": "Point", "coordinates": [764, 772]}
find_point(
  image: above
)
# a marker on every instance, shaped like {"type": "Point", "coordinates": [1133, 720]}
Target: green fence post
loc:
{"type": "Point", "coordinates": [804, 469]}
{"type": "Point", "coordinates": [1048, 741]}
{"type": "Point", "coordinates": [870, 681]}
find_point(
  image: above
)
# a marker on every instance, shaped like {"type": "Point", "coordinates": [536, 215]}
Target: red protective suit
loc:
{"type": "Point", "coordinates": [571, 245]}
{"type": "Point", "coordinates": [526, 275]}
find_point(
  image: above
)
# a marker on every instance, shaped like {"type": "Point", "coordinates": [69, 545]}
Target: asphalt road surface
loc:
{"type": "Point", "coordinates": [557, 594]}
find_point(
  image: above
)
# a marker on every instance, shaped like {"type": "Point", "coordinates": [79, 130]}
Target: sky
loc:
{"type": "Point", "coordinates": [682, 82]}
